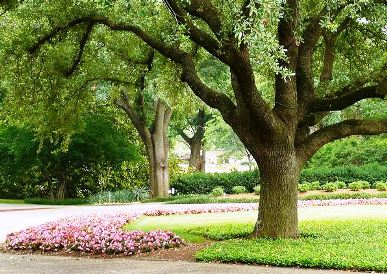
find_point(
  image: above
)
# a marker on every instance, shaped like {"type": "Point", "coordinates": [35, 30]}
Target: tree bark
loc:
{"type": "Point", "coordinates": [277, 217]}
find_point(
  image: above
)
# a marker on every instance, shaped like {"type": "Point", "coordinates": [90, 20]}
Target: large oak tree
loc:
{"type": "Point", "coordinates": [310, 49]}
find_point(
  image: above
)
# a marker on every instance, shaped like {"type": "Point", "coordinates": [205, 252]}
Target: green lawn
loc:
{"type": "Point", "coordinates": [338, 244]}
{"type": "Point", "coordinates": [11, 201]}
{"type": "Point", "coordinates": [181, 224]}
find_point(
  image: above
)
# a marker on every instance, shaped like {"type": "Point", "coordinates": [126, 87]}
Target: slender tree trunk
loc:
{"type": "Point", "coordinates": [195, 159]}
{"type": "Point", "coordinates": [61, 192]}
{"type": "Point", "coordinates": [277, 215]}
{"type": "Point", "coordinates": [158, 164]}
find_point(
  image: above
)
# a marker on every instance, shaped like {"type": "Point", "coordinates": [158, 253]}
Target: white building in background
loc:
{"type": "Point", "coordinates": [215, 161]}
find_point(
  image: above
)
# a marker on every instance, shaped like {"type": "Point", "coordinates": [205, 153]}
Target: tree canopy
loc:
{"type": "Point", "coordinates": [287, 66]}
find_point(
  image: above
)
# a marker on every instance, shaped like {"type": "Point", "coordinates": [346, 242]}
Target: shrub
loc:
{"type": "Point", "coordinates": [257, 189]}
{"type": "Point", "coordinates": [347, 174]}
{"type": "Point", "coordinates": [303, 187]}
{"type": "Point", "coordinates": [341, 184]}
{"type": "Point", "coordinates": [380, 186]}
{"type": "Point", "coordinates": [343, 196]}
{"type": "Point", "coordinates": [356, 186]}
{"type": "Point", "coordinates": [203, 183]}
{"type": "Point", "coordinates": [238, 189]}
{"type": "Point", "coordinates": [314, 185]}
{"type": "Point", "coordinates": [330, 187]}
{"type": "Point", "coordinates": [217, 191]}
{"type": "Point", "coordinates": [366, 185]}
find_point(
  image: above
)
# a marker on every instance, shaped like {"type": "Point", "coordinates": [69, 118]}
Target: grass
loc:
{"type": "Point", "coordinates": [337, 244]}
{"type": "Point", "coordinates": [182, 224]}
{"type": "Point", "coordinates": [11, 201]}
{"type": "Point", "coordinates": [69, 201]}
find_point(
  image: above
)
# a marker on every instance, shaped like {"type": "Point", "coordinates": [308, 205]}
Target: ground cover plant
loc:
{"type": "Point", "coordinates": [348, 244]}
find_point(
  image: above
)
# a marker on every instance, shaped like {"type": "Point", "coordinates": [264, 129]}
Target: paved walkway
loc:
{"type": "Point", "coordinates": [39, 264]}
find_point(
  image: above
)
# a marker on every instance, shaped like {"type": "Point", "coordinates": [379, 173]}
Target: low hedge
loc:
{"type": "Point", "coordinates": [204, 183]}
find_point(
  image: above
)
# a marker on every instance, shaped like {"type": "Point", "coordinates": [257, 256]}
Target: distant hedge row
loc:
{"type": "Point", "coordinates": [203, 183]}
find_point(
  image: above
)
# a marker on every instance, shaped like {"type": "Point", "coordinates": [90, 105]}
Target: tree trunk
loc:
{"type": "Point", "coordinates": [277, 216]}
{"type": "Point", "coordinates": [158, 164]}
{"type": "Point", "coordinates": [196, 159]}
{"type": "Point", "coordinates": [61, 192]}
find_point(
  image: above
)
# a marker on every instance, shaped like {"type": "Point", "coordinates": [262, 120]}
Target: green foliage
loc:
{"type": "Point", "coordinates": [356, 186]}
{"type": "Point", "coordinates": [358, 245]}
{"type": "Point", "coordinates": [314, 185]}
{"type": "Point", "coordinates": [366, 185]}
{"type": "Point", "coordinates": [68, 201]}
{"type": "Point", "coordinates": [381, 186]}
{"type": "Point", "coordinates": [330, 187]}
{"type": "Point", "coordinates": [303, 187]}
{"type": "Point", "coordinates": [257, 189]}
{"type": "Point", "coordinates": [34, 169]}
{"type": "Point", "coordinates": [121, 196]}
{"type": "Point", "coordinates": [208, 199]}
{"type": "Point", "coordinates": [347, 174]}
{"type": "Point", "coordinates": [238, 189]}
{"type": "Point", "coordinates": [341, 184]}
{"type": "Point", "coordinates": [203, 183]}
{"type": "Point", "coordinates": [351, 151]}
{"type": "Point", "coordinates": [335, 196]}
{"type": "Point", "coordinates": [217, 191]}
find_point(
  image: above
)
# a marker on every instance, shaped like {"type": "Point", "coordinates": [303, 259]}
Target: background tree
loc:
{"type": "Point", "coordinates": [33, 168]}
{"type": "Point", "coordinates": [304, 48]}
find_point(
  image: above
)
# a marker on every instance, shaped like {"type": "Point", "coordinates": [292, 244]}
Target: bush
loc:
{"type": "Point", "coordinates": [366, 185]}
{"type": "Point", "coordinates": [330, 187]}
{"type": "Point", "coordinates": [217, 191]}
{"type": "Point", "coordinates": [356, 186]}
{"type": "Point", "coordinates": [380, 186]}
{"type": "Point", "coordinates": [257, 189]}
{"type": "Point", "coordinates": [347, 174]}
{"type": "Point", "coordinates": [203, 183]}
{"type": "Point", "coordinates": [303, 187]}
{"type": "Point", "coordinates": [336, 196]}
{"type": "Point", "coordinates": [238, 189]}
{"type": "Point", "coordinates": [341, 185]}
{"type": "Point", "coordinates": [314, 185]}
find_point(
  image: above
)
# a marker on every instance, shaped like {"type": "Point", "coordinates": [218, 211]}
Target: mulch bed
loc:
{"type": "Point", "coordinates": [185, 252]}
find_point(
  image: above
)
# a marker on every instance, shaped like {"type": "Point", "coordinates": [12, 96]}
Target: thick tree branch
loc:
{"type": "Point", "coordinates": [348, 98]}
{"type": "Point", "coordinates": [285, 89]}
{"type": "Point", "coordinates": [214, 99]}
{"type": "Point", "coordinates": [344, 129]}
{"type": "Point", "coordinates": [205, 10]}
{"type": "Point", "coordinates": [197, 35]}
{"type": "Point", "coordinates": [185, 137]}
{"type": "Point", "coordinates": [329, 51]}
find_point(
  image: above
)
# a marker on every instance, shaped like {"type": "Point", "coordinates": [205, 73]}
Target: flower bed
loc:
{"type": "Point", "coordinates": [340, 202]}
{"type": "Point", "coordinates": [91, 234]}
